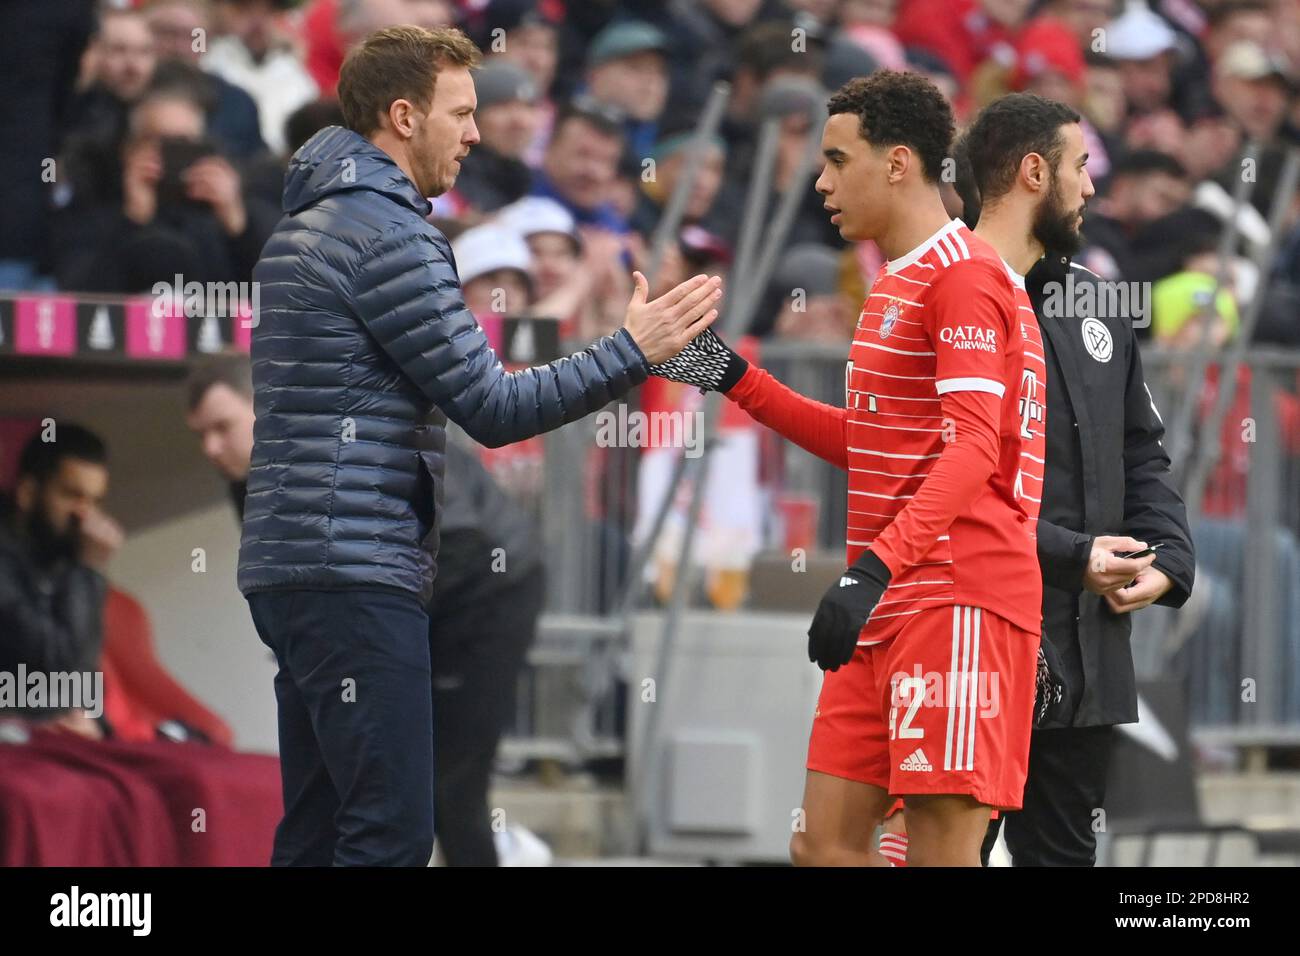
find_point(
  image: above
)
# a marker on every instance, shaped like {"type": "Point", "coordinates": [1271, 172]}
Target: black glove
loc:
{"type": "Point", "coordinates": [833, 636]}
{"type": "Point", "coordinates": [706, 362]}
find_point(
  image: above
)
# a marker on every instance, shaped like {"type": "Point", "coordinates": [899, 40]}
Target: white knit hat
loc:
{"type": "Point", "coordinates": [489, 247]}
{"type": "Point", "coordinates": [533, 214]}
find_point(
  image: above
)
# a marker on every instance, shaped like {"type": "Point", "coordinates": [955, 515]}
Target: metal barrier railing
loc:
{"type": "Point", "coordinates": [1237, 643]}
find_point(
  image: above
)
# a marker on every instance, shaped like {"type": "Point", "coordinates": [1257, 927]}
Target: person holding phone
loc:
{"type": "Point", "coordinates": [183, 209]}
{"type": "Point", "coordinates": [1112, 530]}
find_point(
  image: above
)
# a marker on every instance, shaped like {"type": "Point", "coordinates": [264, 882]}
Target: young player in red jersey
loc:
{"type": "Point", "coordinates": [930, 636]}
{"type": "Point", "coordinates": [1025, 184]}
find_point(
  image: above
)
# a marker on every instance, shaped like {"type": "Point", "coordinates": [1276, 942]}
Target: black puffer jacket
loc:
{"type": "Point", "coordinates": [361, 345]}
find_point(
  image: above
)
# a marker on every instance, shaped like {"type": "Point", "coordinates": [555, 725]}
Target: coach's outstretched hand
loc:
{"type": "Point", "coordinates": [662, 327]}
{"type": "Point", "coordinates": [833, 636]}
{"type": "Point", "coordinates": [707, 363]}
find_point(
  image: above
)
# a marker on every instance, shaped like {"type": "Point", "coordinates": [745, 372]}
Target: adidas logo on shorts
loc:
{"type": "Point", "coordinates": [916, 760]}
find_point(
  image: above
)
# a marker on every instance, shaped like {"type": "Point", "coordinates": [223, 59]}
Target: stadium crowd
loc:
{"type": "Point", "coordinates": [149, 139]}
{"type": "Point", "coordinates": [169, 124]}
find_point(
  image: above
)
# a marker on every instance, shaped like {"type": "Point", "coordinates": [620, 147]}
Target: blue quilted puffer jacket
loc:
{"type": "Point", "coordinates": [361, 350]}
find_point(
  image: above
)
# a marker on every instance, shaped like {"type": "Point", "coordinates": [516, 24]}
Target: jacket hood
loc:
{"type": "Point", "coordinates": [337, 160]}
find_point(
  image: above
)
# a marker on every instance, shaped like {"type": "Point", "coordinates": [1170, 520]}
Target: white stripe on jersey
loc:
{"type": "Point", "coordinates": [946, 385]}
{"type": "Point", "coordinates": [892, 298]}
{"type": "Point", "coordinates": [886, 454]}
{"type": "Point", "coordinates": [885, 348]}
{"type": "Point", "coordinates": [899, 428]}
{"type": "Point", "coordinates": [872, 494]}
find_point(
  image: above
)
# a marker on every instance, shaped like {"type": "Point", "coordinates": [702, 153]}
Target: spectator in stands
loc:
{"type": "Point", "coordinates": [117, 69]}
{"type": "Point", "coordinates": [493, 263]}
{"type": "Point", "coordinates": [333, 26]}
{"type": "Point", "coordinates": [671, 155]}
{"type": "Point", "coordinates": [577, 278]}
{"type": "Point", "coordinates": [581, 163]}
{"type": "Point", "coordinates": [963, 33]}
{"type": "Point", "coordinates": [869, 24]}
{"type": "Point", "coordinates": [496, 173]}
{"type": "Point", "coordinates": [1144, 186]}
{"type": "Point", "coordinates": [763, 53]}
{"type": "Point", "coordinates": [1049, 62]}
{"type": "Point", "coordinates": [181, 31]}
{"type": "Point", "coordinates": [182, 210]}
{"type": "Point", "coordinates": [142, 700]}
{"type": "Point", "coordinates": [525, 33]}
{"type": "Point", "coordinates": [706, 41]}
{"type": "Point", "coordinates": [797, 103]}
{"type": "Point", "coordinates": [843, 60]}
{"type": "Point", "coordinates": [811, 306]}
{"type": "Point", "coordinates": [1104, 105]}
{"type": "Point", "coordinates": [1144, 46]}
{"type": "Point", "coordinates": [41, 47]}
{"type": "Point", "coordinates": [627, 69]}
{"type": "Point", "coordinates": [1253, 87]}
{"type": "Point", "coordinates": [55, 540]}
{"type": "Point", "coordinates": [308, 120]}
{"type": "Point", "coordinates": [1083, 17]}
{"type": "Point", "coordinates": [219, 411]}
{"type": "Point", "coordinates": [1231, 21]}
{"type": "Point", "coordinates": [254, 54]}
{"type": "Point", "coordinates": [1190, 307]}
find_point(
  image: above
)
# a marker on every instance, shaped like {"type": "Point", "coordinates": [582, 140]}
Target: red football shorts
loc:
{"type": "Point", "coordinates": [944, 707]}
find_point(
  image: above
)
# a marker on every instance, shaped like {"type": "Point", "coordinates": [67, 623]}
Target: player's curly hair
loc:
{"type": "Point", "coordinates": [1005, 132]}
{"type": "Point", "coordinates": [899, 109]}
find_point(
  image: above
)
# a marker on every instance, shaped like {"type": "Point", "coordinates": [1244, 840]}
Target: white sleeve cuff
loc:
{"type": "Point", "coordinates": [943, 386]}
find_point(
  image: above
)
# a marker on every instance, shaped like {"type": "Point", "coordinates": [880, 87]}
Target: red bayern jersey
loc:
{"type": "Point", "coordinates": [941, 324]}
{"type": "Point", "coordinates": [1032, 404]}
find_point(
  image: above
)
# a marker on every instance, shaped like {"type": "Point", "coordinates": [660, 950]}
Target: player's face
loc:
{"type": "Point", "coordinates": [854, 182]}
{"type": "Point", "coordinates": [1059, 218]}
{"type": "Point", "coordinates": [444, 137]}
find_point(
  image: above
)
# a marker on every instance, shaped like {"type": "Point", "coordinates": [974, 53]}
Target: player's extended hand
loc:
{"type": "Point", "coordinates": [706, 362]}
{"type": "Point", "coordinates": [663, 326]}
{"type": "Point", "coordinates": [833, 636]}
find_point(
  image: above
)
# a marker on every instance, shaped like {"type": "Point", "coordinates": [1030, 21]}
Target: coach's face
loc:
{"type": "Point", "coordinates": [854, 182]}
{"type": "Point", "coordinates": [446, 134]}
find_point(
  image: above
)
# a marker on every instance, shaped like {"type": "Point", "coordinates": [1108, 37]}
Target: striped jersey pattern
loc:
{"type": "Point", "coordinates": [1032, 404]}
{"type": "Point", "coordinates": [915, 343]}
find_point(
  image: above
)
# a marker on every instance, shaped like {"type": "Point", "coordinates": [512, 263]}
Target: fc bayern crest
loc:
{"type": "Point", "coordinates": [888, 320]}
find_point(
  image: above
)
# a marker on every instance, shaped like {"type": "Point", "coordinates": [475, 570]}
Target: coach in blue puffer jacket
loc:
{"type": "Point", "coordinates": [362, 344]}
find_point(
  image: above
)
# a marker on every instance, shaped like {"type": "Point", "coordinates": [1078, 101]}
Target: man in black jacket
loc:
{"type": "Point", "coordinates": [54, 542]}
{"type": "Point", "coordinates": [363, 343]}
{"type": "Point", "coordinates": [1100, 415]}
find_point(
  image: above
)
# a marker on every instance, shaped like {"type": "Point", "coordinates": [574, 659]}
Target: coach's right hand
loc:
{"type": "Point", "coordinates": [661, 328]}
{"type": "Point", "coordinates": [1108, 572]}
